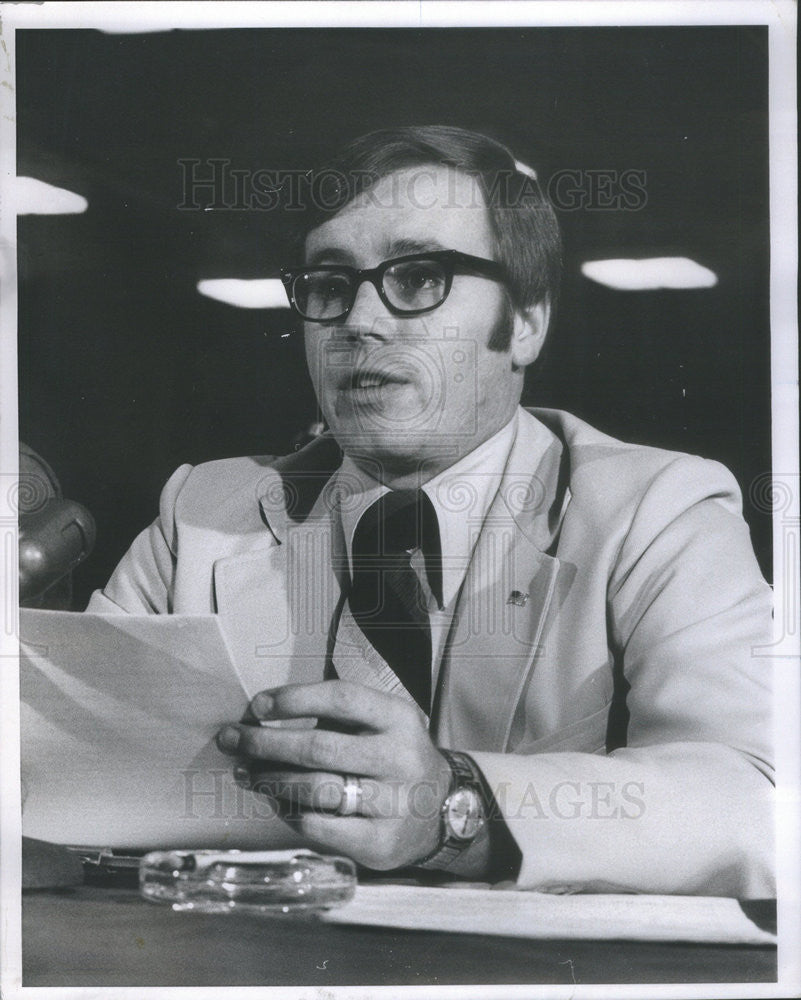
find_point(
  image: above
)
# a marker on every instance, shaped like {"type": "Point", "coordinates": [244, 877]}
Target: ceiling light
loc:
{"type": "Point", "coordinates": [35, 197]}
{"type": "Point", "coordinates": [257, 293]}
{"type": "Point", "coordinates": [649, 273]}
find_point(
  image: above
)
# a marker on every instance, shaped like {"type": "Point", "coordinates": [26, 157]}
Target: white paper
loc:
{"type": "Point", "coordinates": [118, 719]}
{"type": "Point", "coordinates": [540, 915]}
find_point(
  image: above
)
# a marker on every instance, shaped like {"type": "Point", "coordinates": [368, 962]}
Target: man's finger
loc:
{"type": "Point", "coordinates": [320, 792]}
{"type": "Point", "coordinates": [340, 701]}
{"type": "Point", "coordinates": [311, 749]}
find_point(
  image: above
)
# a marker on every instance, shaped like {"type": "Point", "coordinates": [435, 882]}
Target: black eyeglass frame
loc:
{"type": "Point", "coordinates": [454, 260]}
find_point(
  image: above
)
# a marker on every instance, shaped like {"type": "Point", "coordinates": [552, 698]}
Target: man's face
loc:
{"type": "Point", "coordinates": [407, 396]}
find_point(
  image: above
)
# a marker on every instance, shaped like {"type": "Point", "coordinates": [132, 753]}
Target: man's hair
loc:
{"type": "Point", "coordinates": [523, 223]}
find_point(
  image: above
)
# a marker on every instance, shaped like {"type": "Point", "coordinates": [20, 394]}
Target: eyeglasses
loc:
{"type": "Point", "coordinates": [408, 286]}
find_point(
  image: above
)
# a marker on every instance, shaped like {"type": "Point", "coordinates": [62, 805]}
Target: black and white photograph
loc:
{"type": "Point", "coordinates": [400, 499]}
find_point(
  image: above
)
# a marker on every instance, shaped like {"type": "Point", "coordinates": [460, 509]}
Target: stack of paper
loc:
{"type": "Point", "coordinates": [118, 719]}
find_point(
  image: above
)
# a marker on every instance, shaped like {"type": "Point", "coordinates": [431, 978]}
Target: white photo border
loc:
{"type": "Point", "coordinates": [780, 17]}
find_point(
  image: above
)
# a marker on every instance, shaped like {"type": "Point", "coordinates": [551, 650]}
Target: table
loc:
{"type": "Point", "coordinates": [101, 936]}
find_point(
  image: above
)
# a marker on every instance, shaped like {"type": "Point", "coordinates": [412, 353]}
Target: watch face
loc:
{"type": "Point", "coordinates": [463, 814]}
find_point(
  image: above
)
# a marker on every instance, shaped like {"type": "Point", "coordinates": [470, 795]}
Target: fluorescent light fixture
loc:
{"type": "Point", "coordinates": [140, 30]}
{"type": "Point", "coordinates": [35, 197]}
{"type": "Point", "coordinates": [256, 293]}
{"type": "Point", "coordinates": [649, 273]}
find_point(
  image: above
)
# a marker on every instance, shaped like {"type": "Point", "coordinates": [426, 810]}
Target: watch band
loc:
{"type": "Point", "coordinates": [464, 775]}
{"type": "Point", "coordinates": [463, 771]}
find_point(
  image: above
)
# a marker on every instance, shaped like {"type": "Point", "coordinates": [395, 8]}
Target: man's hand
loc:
{"type": "Point", "coordinates": [404, 778]}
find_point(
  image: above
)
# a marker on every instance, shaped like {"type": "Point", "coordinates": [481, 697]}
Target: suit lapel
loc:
{"type": "Point", "coordinates": [501, 612]}
{"type": "Point", "coordinates": [277, 600]}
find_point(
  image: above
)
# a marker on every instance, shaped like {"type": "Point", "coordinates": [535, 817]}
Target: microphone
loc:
{"type": "Point", "coordinates": [52, 542]}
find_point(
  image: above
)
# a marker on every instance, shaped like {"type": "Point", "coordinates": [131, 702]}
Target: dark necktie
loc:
{"type": "Point", "coordinates": [386, 598]}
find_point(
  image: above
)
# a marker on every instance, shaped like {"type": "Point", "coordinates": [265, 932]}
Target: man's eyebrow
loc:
{"type": "Point", "coordinates": [399, 247]}
{"type": "Point", "coordinates": [406, 245]}
{"type": "Point", "coordinates": [329, 255]}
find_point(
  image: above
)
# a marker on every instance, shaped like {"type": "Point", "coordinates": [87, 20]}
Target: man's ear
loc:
{"type": "Point", "coordinates": [528, 333]}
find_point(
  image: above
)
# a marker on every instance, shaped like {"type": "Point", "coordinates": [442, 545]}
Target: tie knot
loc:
{"type": "Point", "coordinates": [397, 522]}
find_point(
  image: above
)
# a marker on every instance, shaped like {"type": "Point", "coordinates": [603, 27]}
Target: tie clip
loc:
{"type": "Point", "coordinates": [517, 597]}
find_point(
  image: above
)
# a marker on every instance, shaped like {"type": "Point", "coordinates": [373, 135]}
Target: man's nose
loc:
{"type": "Point", "coordinates": [368, 315]}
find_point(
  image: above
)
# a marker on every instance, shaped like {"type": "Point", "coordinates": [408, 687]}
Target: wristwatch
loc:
{"type": "Point", "coordinates": [462, 815]}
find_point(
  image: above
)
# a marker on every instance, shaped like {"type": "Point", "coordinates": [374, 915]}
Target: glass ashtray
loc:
{"type": "Point", "coordinates": [261, 882]}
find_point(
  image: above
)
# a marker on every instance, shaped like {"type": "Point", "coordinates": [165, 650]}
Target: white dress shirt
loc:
{"type": "Point", "coordinates": [461, 496]}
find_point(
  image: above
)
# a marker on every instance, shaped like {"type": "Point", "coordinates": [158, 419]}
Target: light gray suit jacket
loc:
{"type": "Point", "coordinates": [621, 713]}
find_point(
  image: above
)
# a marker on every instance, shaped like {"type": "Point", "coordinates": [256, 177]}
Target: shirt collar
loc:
{"type": "Point", "coordinates": [461, 495]}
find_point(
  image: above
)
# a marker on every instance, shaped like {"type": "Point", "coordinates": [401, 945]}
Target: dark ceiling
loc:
{"type": "Point", "coordinates": [126, 371]}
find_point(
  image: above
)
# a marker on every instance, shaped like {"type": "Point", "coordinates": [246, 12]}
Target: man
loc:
{"type": "Point", "coordinates": [528, 647]}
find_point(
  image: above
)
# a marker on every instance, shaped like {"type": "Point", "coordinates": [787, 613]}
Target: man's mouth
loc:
{"type": "Point", "coordinates": [370, 378]}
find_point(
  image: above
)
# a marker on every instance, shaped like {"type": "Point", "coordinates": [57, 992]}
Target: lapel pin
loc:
{"type": "Point", "coordinates": [518, 598]}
